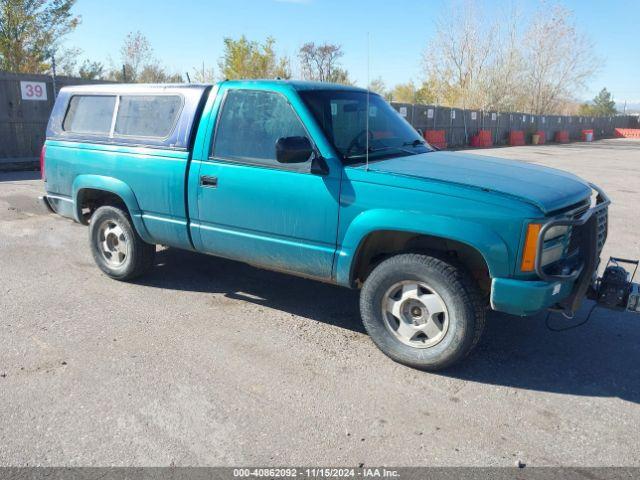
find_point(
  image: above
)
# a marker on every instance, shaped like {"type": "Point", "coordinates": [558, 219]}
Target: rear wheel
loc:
{"type": "Point", "coordinates": [116, 246]}
{"type": "Point", "coordinates": [422, 311]}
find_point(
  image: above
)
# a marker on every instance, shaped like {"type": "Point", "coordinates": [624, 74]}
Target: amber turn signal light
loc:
{"type": "Point", "coordinates": [530, 247]}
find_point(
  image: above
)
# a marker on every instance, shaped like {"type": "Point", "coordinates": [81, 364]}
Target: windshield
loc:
{"type": "Point", "coordinates": [341, 115]}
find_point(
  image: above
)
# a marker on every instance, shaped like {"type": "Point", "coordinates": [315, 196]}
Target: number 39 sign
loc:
{"type": "Point", "coordinates": [33, 90]}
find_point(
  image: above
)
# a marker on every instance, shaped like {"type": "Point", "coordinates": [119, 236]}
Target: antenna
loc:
{"type": "Point", "coordinates": [367, 112]}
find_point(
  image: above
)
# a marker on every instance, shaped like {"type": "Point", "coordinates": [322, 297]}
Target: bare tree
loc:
{"type": "Point", "coordinates": [506, 63]}
{"type": "Point", "coordinates": [139, 65]}
{"type": "Point", "coordinates": [136, 52]}
{"type": "Point", "coordinates": [458, 57]}
{"type": "Point", "coordinates": [204, 74]}
{"type": "Point", "coordinates": [559, 59]}
{"type": "Point", "coordinates": [504, 81]}
{"type": "Point", "coordinates": [321, 63]}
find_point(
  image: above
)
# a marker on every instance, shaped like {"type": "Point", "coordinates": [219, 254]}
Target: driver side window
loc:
{"type": "Point", "coordinates": [249, 125]}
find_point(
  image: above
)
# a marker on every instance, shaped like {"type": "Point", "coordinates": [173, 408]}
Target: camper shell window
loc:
{"type": "Point", "coordinates": [147, 115]}
{"type": "Point", "coordinates": [140, 116]}
{"type": "Point", "coordinates": [90, 114]}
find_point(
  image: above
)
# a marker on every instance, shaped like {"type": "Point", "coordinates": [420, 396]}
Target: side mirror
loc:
{"type": "Point", "coordinates": [293, 149]}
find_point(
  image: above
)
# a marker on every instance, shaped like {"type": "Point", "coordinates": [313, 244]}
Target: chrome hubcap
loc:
{"type": "Point", "coordinates": [415, 314]}
{"type": "Point", "coordinates": [113, 244]}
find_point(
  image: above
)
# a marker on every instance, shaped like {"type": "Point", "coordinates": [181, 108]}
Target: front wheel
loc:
{"type": "Point", "coordinates": [116, 246]}
{"type": "Point", "coordinates": [422, 311]}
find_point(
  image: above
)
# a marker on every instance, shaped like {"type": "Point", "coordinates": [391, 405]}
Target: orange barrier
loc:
{"type": "Point", "coordinates": [516, 138]}
{"type": "Point", "coordinates": [627, 132]}
{"type": "Point", "coordinates": [562, 136]}
{"type": "Point", "coordinates": [482, 139]}
{"type": "Point", "coordinates": [436, 138]}
{"type": "Point", "coordinates": [543, 137]}
{"type": "Point", "coordinates": [585, 134]}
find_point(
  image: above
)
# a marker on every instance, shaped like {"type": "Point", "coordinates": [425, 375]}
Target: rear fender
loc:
{"type": "Point", "coordinates": [116, 187]}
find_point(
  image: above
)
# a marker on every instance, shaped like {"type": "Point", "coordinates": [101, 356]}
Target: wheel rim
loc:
{"type": "Point", "coordinates": [415, 314]}
{"type": "Point", "coordinates": [112, 243]}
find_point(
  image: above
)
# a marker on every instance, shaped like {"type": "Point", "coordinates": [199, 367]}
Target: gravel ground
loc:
{"type": "Point", "coordinates": [211, 362]}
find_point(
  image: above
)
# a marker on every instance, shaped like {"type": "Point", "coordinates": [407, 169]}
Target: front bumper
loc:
{"type": "Point", "coordinates": [561, 286]}
{"type": "Point", "coordinates": [526, 297]}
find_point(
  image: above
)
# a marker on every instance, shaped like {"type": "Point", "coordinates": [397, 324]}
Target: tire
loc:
{"type": "Point", "coordinates": [117, 248]}
{"type": "Point", "coordinates": [433, 313]}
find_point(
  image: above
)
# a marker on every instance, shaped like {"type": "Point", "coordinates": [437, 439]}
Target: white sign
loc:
{"type": "Point", "coordinates": [474, 115]}
{"type": "Point", "coordinates": [453, 114]}
{"type": "Point", "coordinates": [494, 116]}
{"type": "Point", "coordinates": [544, 120]}
{"type": "Point", "coordinates": [403, 111]}
{"type": "Point", "coordinates": [532, 119]}
{"type": "Point", "coordinates": [524, 118]}
{"type": "Point", "coordinates": [33, 90]}
{"type": "Point", "coordinates": [430, 113]}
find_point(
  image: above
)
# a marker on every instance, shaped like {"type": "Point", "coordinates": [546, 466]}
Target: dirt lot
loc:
{"type": "Point", "coordinates": [211, 362]}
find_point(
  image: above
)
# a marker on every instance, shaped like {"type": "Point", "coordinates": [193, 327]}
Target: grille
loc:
{"type": "Point", "coordinates": [603, 221]}
{"type": "Point", "coordinates": [578, 232]}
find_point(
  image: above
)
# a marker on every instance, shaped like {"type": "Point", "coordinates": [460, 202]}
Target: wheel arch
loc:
{"type": "Point", "coordinates": [395, 232]}
{"type": "Point", "coordinates": [102, 190]}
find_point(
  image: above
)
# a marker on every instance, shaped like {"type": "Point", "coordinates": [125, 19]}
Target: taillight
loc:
{"type": "Point", "coordinates": [42, 154]}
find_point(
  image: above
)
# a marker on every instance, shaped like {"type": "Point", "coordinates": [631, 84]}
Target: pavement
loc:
{"type": "Point", "coordinates": [210, 362]}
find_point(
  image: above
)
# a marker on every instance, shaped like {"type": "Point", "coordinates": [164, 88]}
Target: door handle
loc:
{"type": "Point", "coordinates": [209, 182]}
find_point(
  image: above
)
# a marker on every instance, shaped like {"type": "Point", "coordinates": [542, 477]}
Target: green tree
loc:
{"type": "Point", "coordinates": [410, 93]}
{"type": "Point", "coordinates": [378, 86]}
{"type": "Point", "coordinates": [91, 70]}
{"type": "Point", "coordinates": [155, 73]}
{"type": "Point", "coordinates": [321, 63]}
{"type": "Point", "coordinates": [30, 30]}
{"type": "Point", "coordinates": [244, 58]}
{"type": "Point", "coordinates": [602, 105]}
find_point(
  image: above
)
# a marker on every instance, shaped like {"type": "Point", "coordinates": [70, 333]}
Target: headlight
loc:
{"type": "Point", "coordinates": [552, 254]}
{"type": "Point", "coordinates": [555, 232]}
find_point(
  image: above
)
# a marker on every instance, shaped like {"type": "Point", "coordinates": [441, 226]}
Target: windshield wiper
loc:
{"type": "Point", "coordinates": [417, 142]}
{"type": "Point", "coordinates": [380, 149]}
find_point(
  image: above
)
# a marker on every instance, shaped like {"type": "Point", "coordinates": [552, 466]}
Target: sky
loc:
{"type": "Point", "coordinates": [186, 33]}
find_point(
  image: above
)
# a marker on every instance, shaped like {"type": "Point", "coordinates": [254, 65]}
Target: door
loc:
{"type": "Point", "coordinates": [253, 208]}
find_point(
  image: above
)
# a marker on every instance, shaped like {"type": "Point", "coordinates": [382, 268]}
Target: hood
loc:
{"type": "Point", "coordinates": [546, 188]}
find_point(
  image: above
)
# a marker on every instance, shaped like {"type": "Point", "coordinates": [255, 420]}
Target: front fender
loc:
{"type": "Point", "coordinates": [490, 245]}
{"type": "Point", "coordinates": [115, 186]}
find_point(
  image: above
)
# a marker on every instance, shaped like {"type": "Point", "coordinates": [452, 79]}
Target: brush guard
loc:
{"type": "Point", "coordinates": [615, 289]}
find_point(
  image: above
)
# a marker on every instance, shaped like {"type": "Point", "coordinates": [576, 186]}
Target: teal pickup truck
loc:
{"type": "Point", "coordinates": [327, 182]}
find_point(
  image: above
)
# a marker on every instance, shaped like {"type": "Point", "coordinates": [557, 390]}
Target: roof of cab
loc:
{"type": "Point", "coordinates": [299, 85]}
{"type": "Point", "coordinates": [168, 87]}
